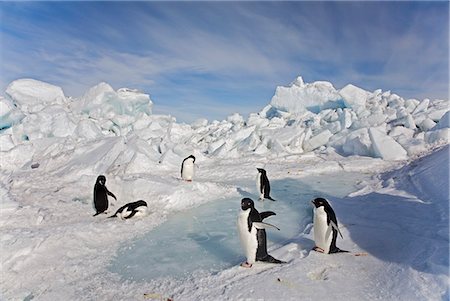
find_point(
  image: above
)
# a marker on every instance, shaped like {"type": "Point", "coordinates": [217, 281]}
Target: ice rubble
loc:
{"type": "Point", "coordinates": [38, 122]}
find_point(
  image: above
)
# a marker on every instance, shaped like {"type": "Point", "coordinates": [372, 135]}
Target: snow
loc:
{"type": "Point", "coordinates": [381, 160]}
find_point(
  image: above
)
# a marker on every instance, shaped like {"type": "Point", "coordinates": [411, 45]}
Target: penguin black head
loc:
{"type": "Point", "coordinates": [247, 203]}
{"type": "Point", "coordinates": [101, 179]}
{"type": "Point", "coordinates": [263, 171]}
{"type": "Point", "coordinates": [320, 202]}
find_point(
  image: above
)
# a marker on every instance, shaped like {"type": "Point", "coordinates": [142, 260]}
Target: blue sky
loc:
{"type": "Point", "coordinates": [211, 59]}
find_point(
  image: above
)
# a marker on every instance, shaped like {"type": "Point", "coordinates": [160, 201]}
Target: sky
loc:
{"type": "Point", "coordinates": [212, 59]}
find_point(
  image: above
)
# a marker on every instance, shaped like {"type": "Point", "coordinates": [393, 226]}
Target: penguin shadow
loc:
{"type": "Point", "coordinates": [245, 193]}
{"type": "Point", "coordinates": [394, 229]}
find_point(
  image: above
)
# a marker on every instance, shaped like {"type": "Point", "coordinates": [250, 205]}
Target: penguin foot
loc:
{"type": "Point", "coordinates": [317, 249]}
{"type": "Point", "coordinates": [337, 250]}
{"type": "Point", "coordinates": [246, 265]}
{"type": "Point", "coordinates": [270, 259]}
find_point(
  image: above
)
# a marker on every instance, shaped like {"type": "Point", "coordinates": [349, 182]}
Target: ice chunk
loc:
{"type": "Point", "coordinates": [52, 121]}
{"type": "Point", "coordinates": [250, 143]}
{"type": "Point", "coordinates": [353, 96]}
{"type": "Point", "coordinates": [358, 143]}
{"type": "Point", "coordinates": [346, 118]}
{"type": "Point", "coordinates": [258, 120]}
{"type": "Point", "coordinates": [422, 106]}
{"type": "Point", "coordinates": [334, 127]}
{"type": "Point", "coordinates": [299, 97]}
{"type": "Point", "coordinates": [406, 121]}
{"type": "Point", "coordinates": [317, 141]}
{"type": "Point", "coordinates": [199, 123]}
{"type": "Point", "coordinates": [236, 118]}
{"type": "Point", "coordinates": [9, 114]}
{"type": "Point", "coordinates": [438, 136]}
{"type": "Point", "coordinates": [444, 122]}
{"type": "Point", "coordinates": [385, 147]}
{"type": "Point", "coordinates": [440, 132]}
{"type": "Point", "coordinates": [400, 130]}
{"type": "Point", "coordinates": [6, 143]}
{"type": "Point", "coordinates": [32, 95]}
{"type": "Point", "coordinates": [411, 105]}
{"type": "Point", "coordinates": [102, 102]}
{"type": "Point", "coordinates": [134, 101]}
{"type": "Point", "coordinates": [87, 129]}
{"type": "Point", "coordinates": [427, 124]}
{"type": "Point", "coordinates": [370, 120]}
{"type": "Point", "coordinates": [413, 146]}
{"type": "Point", "coordinates": [395, 101]}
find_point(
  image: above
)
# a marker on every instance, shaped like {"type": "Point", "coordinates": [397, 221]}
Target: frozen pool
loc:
{"type": "Point", "coordinates": [205, 238]}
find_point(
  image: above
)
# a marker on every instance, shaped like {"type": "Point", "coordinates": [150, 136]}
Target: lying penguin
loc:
{"type": "Point", "coordinates": [325, 227]}
{"type": "Point", "coordinates": [252, 233]}
{"type": "Point", "coordinates": [138, 208]}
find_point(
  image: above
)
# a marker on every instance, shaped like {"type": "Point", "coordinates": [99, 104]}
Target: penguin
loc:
{"type": "Point", "coordinates": [101, 195]}
{"type": "Point", "coordinates": [263, 185]}
{"type": "Point", "coordinates": [187, 168]}
{"type": "Point", "coordinates": [325, 227]}
{"type": "Point", "coordinates": [138, 208]}
{"type": "Point", "coordinates": [252, 233]}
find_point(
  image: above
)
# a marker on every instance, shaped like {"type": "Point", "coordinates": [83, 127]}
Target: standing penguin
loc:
{"type": "Point", "coordinates": [252, 233]}
{"type": "Point", "coordinates": [101, 195]}
{"type": "Point", "coordinates": [187, 168]}
{"type": "Point", "coordinates": [325, 227]}
{"type": "Point", "coordinates": [263, 185]}
{"type": "Point", "coordinates": [138, 208]}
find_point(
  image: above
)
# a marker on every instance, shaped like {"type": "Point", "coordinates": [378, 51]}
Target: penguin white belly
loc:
{"type": "Point", "coordinates": [248, 239]}
{"type": "Point", "coordinates": [323, 233]}
{"type": "Point", "coordinates": [188, 170]}
{"type": "Point", "coordinates": [141, 211]}
{"type": "Point", "coordinates": [125, 213]}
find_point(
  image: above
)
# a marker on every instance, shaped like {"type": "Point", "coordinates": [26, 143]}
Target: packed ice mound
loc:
{"type": "Point", "coordinates": [354, 121]}
{"type": "Point", "coordinates": [41, 126]}
{"type": "Point", "coordinates": [299, 97]}
{"type": "Point", "coordinates": [114, 111]}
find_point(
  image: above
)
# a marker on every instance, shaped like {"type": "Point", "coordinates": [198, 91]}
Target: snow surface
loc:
{"type": "Point", "coordinates": [381, 160]}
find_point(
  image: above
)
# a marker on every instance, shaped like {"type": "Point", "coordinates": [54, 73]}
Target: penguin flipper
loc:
{"type": "Point", "coordinates": [263, 225]}
{"type": "Point", "coordinates": [266, 214]}
{"type": "Point", "coordinates": [131, 215]}
{"type": "Point", "coordinates": [333, 224]}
